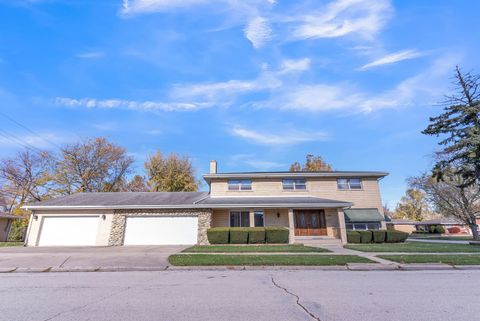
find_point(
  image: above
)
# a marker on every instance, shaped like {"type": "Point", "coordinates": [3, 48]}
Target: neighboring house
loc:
{"type": "Point", "coordinates": [6, 221]}
{"type": "Point", "coordinates": [450, 225]}
{"type": "Point", "coordinates": [309, 204]}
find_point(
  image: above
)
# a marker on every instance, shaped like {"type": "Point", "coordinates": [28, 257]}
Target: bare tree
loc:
{"type": "Point", "coordinates": [170, 174]}
{"type": "Point", "coordinates": [451, 197]}
{"type": "Point", "coordinates": [95, 165]}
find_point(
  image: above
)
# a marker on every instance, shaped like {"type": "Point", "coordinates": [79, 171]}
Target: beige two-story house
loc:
{"type": "Point", "coordinates": [312, 205]}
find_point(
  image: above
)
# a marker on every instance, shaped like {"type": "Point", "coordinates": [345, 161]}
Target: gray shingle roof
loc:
{"type": "Point", "coordinates": [296, 201]}
{"type": "Point", "coordinates": [123, 199]}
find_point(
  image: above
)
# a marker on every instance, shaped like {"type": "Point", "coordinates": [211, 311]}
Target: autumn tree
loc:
{"type": "Point", "coordinates": [312, 164]}
{"type": "Point", "coordinates": [136, 184]}
{"type": "Point", "coordinates": [94, 165]}
{"type": "Point", "coordinates": [413, 206]}
{"type": "Point", "coordinates": [460, 126]}
{"type": "Point", "coordinates": [452, 197]}
{"type": "Point", "coordinates": [170, 174]}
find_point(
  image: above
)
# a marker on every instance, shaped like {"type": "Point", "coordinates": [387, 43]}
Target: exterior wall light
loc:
{"type": "Point", "coordinates": [35, 217]}
{"type": "Point", "coordinates": [104, 217]}
{"type": "Point", "coordinates": [278, 214]}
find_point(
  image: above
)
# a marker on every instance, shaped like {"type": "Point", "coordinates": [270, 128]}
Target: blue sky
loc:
{"type": "Point", "coordinates": [253, 84]}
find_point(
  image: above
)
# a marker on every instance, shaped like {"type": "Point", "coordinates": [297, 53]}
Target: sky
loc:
{"type": "Point", "coordinates": [255, 84]}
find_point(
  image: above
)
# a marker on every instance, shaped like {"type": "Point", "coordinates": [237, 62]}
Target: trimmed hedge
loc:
{"type": "Point", "coordinates": [365, 236]}
{"type": "Point", "coordinates": [353, 237]}
{"type": "Point", "coordinates": [256, 235]}
{"type": "Point", "coordinates": [218, 235]}
{"type": "Point", "coordinates": [378, 236]}
{"type": "Point", "coordinates": [276, 234]}
{"type": "Point", "coordinates": [396, 236]}
{"type": "Point", "coordinates": [239, 235]}
{"type": "Point", "coordinates": [439, 229]}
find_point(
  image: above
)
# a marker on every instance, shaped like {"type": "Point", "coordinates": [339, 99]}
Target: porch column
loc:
{"type": "Point", "coordinates": [342, 226]}
{"type": "Point", "coordinates": [252, 217]}
{"type": "Point", "coordinates": [291, 226]}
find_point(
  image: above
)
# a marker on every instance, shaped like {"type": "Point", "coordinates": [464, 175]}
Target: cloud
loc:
{"type": "Point", "coordinates": [289, 65]}
{"type": "Point", "coordinates": [286, 138]}
{"type": "Point", "coordinates": [343, 17]}
{"type": "Point", "coordinates": [90, 55]}
{"type": "Point", "coordinates": [258, 31]}
{"type": "Point", "coordinates": [393, 58]}
{"type": "Point", "coordinates": [40, 141]}
{"type": "Point", "coordinates": [252, 161]}
{"type": "Point", "coordinates": [128, 104]}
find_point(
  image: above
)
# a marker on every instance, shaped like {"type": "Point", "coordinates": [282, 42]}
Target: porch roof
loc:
{"type": "Point", "coordinates": [363, 215]}
{"type": "Point", "coordinates": [273, 202]}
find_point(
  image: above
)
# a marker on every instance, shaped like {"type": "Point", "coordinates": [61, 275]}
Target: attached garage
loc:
{"type": "Point", "coordinates": [156, 230]}
{"type": "Point", "coordinates": [68, 231]}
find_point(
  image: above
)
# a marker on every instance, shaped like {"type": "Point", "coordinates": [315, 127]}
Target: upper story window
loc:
{"type": "Point", "coordinates": [349, 183]}
{"type": "Point", "coordinates": [240, 185]}
{"type": "Point", "coordinates": [294, 184]}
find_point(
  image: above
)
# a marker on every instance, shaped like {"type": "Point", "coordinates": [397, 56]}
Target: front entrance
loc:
{"type": "Point", "coordinates": [310, 222]}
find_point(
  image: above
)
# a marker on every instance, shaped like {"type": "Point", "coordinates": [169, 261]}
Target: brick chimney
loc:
{"type": "Point", "coordinates": [213, 167]}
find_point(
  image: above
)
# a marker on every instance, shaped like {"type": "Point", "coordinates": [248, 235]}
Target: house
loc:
{"type": "Point", "coordinates": [309, 204]}
{"type": "Point", "coordinates": [450, 225]}
{"type": "Point", "coordinates": [403, 225]}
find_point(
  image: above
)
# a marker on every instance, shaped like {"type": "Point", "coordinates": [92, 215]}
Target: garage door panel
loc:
{"type": "Point", "coordinates": [68, 231]}
{"type": "Point", "coordinates": [161, 231]}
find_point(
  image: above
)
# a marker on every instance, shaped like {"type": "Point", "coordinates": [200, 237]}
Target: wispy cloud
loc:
{"type": "Point", "coordinates": [258, 31]}
{"type": "Point", "coordinates": [128, 104]}
{"type": "Point", "coordinates": [44, 140]}
{"type": "Point", "coordinates": [90, 55]}
{"type": "Point", "coordinates": [393, 58]}
{"type": "Point", "coordinates": [287, 137]}
{"type": "Point", "coordinates": [290, 65]}
{"type": "Point", "coordinates": [254, 162]}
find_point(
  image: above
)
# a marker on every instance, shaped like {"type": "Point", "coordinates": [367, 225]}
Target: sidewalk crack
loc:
{"type": "Point", "coordinates": [61, 265]}
{"type": "Point", "coordinates": [304, 308]}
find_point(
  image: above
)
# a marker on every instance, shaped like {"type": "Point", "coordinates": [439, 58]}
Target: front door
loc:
{"type": "Point", "coordinates": [310, 222]}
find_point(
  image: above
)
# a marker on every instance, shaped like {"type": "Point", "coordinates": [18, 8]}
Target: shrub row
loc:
{"type": "Point", "coordinates": [247, 235]}
{"type": "Point", "coordinates": [376, 236]}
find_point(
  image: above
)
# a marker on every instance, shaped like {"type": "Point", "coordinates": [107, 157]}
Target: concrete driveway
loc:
{"type": "Point", "coordinates": [119, 257]}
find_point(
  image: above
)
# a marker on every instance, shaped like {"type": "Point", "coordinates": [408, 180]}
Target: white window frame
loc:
{"type": "Point", "coordinates": [346, 182]}
{"type": "Point", "coordinates": [295, 182]}
{"type": "Point", "coordinates": [239, 184]}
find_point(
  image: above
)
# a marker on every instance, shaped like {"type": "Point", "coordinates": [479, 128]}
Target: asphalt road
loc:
{"type": "Point", "coordinates": [241, 295]}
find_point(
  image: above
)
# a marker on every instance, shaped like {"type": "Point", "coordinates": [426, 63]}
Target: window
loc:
{"type": "Point", "coordinates": [240, 185]}
{"type": "Point", "coordinates": [294, 184]}
{"type": "Point", "coordinates": [259, 219]}
{"type": "Point", "coordinates": [349, 183]}
{"type": "Point", "coordinates": [363, 226]}
{"type": "Point", "coordinates": [239, 219]}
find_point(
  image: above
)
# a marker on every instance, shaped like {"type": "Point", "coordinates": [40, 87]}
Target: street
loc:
{"type": "Point", "coordinates": [241, 295]}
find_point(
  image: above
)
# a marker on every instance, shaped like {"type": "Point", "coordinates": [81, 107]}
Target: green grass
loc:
{"type": "Point", "coordinates": [466, 259]}
{"type": "Point", "coordinates": [218, 259]}
{"type": "Point", "coordinates": [412, 247]}
{"type": "Point", "coordinates": [453, 238]}
{"type": "Point", "coordinates": [6, 244]}
{"type": "Point", "coordinates": [252, 249]}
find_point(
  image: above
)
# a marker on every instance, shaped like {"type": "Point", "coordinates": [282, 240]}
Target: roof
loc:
{"type": "Point", "coordinates": [125, 200]}
{"type": "Point", "coordinates": [402, 222]}
{"type": "Point", "coordinates": [273, 202]}
{"type": "Point", "coordinates": [288, 174]}
{"type": "Point", "coordinates": [440, 221]}
{"type": "Point", "coordinates": [363, 215]}
{"type": "Point", "coordinates": [10, 216]}
{"type": "Point", "coordinates": [121, 200]}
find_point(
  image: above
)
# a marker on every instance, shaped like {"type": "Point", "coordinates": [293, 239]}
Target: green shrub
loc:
{"type": "Point", "coordinates": [439, 229]}
{"type": "Point", "coordinates": [378, 236]}
{"type": "Point", "coordinates": [365, 236]}
{"type": "Point", "coordinates": [218, 235]}
{"type": "Point", "coordinates": [353, 237]}
{"type": "Point", "coordinates": [256, 235]}
{"type": "Point", "coordinates": [432, 229]}
{"type": "Point", "coordinates": [396, 236]}
{"type": "Point", "coordinates": [239, 235]}
{"type": "Point", "coordinates": [276, 234]}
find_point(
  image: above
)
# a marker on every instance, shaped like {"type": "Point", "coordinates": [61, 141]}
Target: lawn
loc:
{"type": "Point", "coordinates": [411, 247]}
{"type": "Point", "coordinates": [467, 259]}
{"type": "Point", "coordinates": [438, 237]}
{"type": "Point", "coordinates": [293, 248]}
{"type": "Point", "coordinates": [218, 259]}
{"type": "Point", "coordinates": [6, 244]}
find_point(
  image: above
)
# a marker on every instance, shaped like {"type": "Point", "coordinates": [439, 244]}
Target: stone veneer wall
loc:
{"type": "Point", "coordinates": [119, 219]}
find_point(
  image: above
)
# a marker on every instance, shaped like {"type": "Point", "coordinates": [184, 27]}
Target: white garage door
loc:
{"type": "Point", "coordinates": [161, 230]}
{"type": "Point", "coordinates": [68, 231]}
